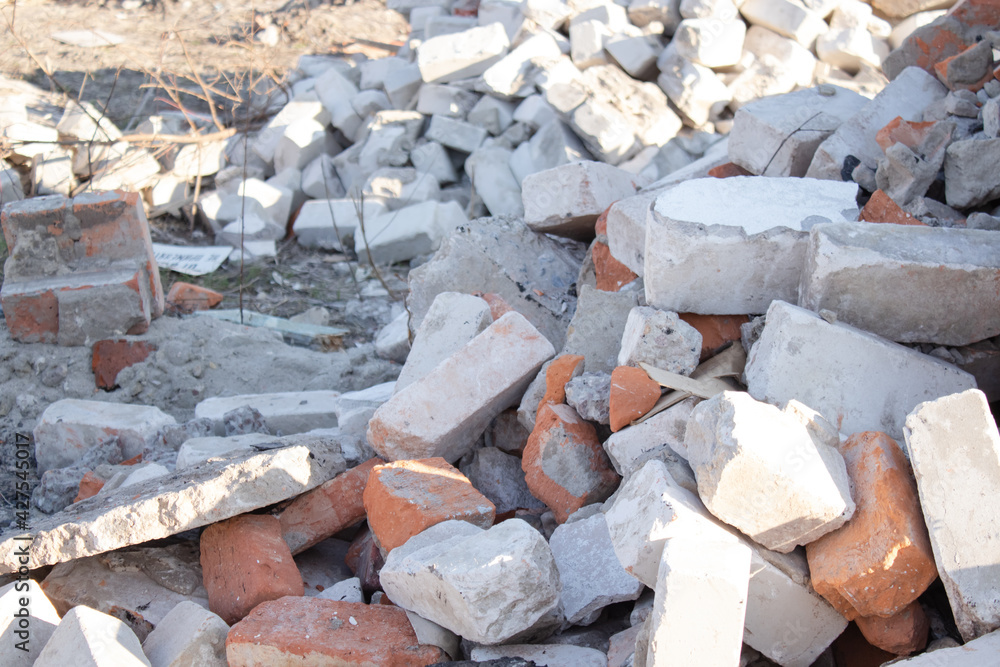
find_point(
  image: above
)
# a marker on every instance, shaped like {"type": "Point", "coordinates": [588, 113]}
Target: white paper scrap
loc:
{"type": "Point", "coordinates": [193, 261]}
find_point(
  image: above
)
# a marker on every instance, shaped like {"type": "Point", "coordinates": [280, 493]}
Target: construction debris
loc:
{"type": "Point", "coordinates": [697, 363]}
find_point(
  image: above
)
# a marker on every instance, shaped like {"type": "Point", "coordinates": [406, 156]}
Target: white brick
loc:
{"type": "Point", "coordinates": [608, 133]}
{"type": "Point", "coordinates": [587, 43]}
{"type": "Point", "coordinates": [566, 200]}
{"type": "Point", "coordinates": [785, 17]}
{"type": "Point", "coordinates": [906, 96]}
{"type": "Point", "coordinates": [26, 626]}
{"type": "Point", "coordinates": [636, 55]}
{"type": "Point", "coordinates": [403, 85]}
{"type": "Point", "coordinates": [703, 257]}
{"type": "Point", "coordinates": [695, 89]}
{"type": "Point", "coordinates": [455, 133]}
{"type": "Point", "coordinates": [553, 144]}
{"type": "Point", "coordinates": [400, 235]}
{"type": "Point", "coordinates": [88, 638]}
{"type": "Point", "coordinates": [335, 91]}
{"type": "Point", "coordinates": [267, 139]}
{"type": "Point", "coordinates": [453, 320]}
{"type": "Point", "coordinates": [398, 187]}
{"type": "Point", "coordinates": [444, 412]}
{"type": "Point", "coordinates": [461, 55]}
{"type": "Point", "coordinates": [506, 12]}
{"type": "Point", "coordinates": [492, 114]}
{"type": "Point", "coordinates": [303, 141]}
{"type": "Point", "coordinates": [288, 412]}
{"type": "Point", "coordinates": [494, 182]}
{"type": "Point", "coordinates": [332, 223]}
{"type": "Point", "coordinates": [432, 158]}
{"type": "Point", "coordinates": [946, 439]}
{"type": "Point", "coordinates": [643, 12]}
{"type": "Point", "coordinates": [534, 111]}
{"type": "Point", "coordinates": [71, 426]}
{"type": "Point", "coordinates": [514, 74]}
{"type": "Point", "coordinates": [627, 229]}
{"type": "Point", "coordinates": [546, 13]}
{"type": "Point", "coordinates": [700, 603]}
{"type": "Point", "coordinates": [877, 383]}
{"type": "Point", "coordinates": [711, 42]}
{"type": "Point", "coordinates": [275, 201]}
{"type": "Point", "coordinates": [759, 469]}
{"type": "Point", "coordinates": [188, 635]}
{"type": "Point", "coordinates": [590, 573]}
{"type": "Point", "coordinates": [850, 43]}
{"type": "Point", "coordinates": [437, 99]}
{"type": "Point", "coordinates": [866, 273]}
{"type": "Point", "coordinates": [320, 180]}
{"type": "Point", "coordinates": [778, 136]}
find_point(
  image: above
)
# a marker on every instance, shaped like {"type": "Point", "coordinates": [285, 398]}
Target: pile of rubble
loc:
{"type": "Point", "coordinates": [693, 399]}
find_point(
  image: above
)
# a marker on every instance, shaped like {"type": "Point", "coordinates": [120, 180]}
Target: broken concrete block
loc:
{"type": "Point", "coordinates": [597, 327]}
{"type": "Point", "coordinates": [297, 109]}
{"type": "Point", "coordinates": [492, 114]}
{"type": "Point", "coordinates": [590, 395]}
{"type": "Point", "coordinates": [453, 320]}
{"type": "Point", "coordinates": [854, 141]}
{"type": "Point", "coordinates": [348, 590]}
{"type": "Point", "coordinates": [89, 638]}
{"type": "Point", "coordinates": [695, 89]}
{"type": "Point", "coordinates": [442, 100]}
{"type": "Point", "coordinates": [189, 634]}
{"type": "Point", "coordinates": [197, 450]}
{"type": "Point", "coordinates": [587, 43]}
{"type": "Point", "coordinates": [276, 201]}
{"type": "Point", "coordinates": [287, 412]}
{"type": "Point", "coordinates": [661, 339]}
{"type": "Point", "coordinates": [633, 394]}
{"type": "Point", "coordinates": [69, 427]}
{"type": "Point", "coordinates": [499, 477]}
{"type": "Point", "coordinates": [455, 133]}
{"type": "Point", "coordinates": [844, 261]}
{"type": "Point", "coordinates": [329, 632]}
{"type": "Point", "coordinates": [326, 510]}
{"type": "Point", "coordinates": [506, 258]}
{"type": "Point", "coordinates": [332, 224]}
{"type": "Point", "coordinates": [712, 42]}
{"type": "Point", "coordinates": [246, 562]}
{"type": "Point", "coordinates": [605, 130]}
{"type": "Point", "coordinates": [566, 200]}
{"type": "Point", "coordinates": [557, 655]}
{"type": "Point", "coordinates": [700, 605]}
{"type": "Point", "coordinates": [485, 585]}
{"type": "Point", "coordinates": [696, 262]}
{"type": "Point", "coordinates": [971, 654]}
{"type": "Point", "coordinates": [194, 497]}
{"type": "Point", "coordinates": [642, 13]}
{"type": "Point", "coordinates": [400, 235]}
{"type": "Point", "coordinates": [785, 17]}
{"type": "Point", "coordinates": [791, 489]}
{"type": "Point", "coordinates": [404, 498]}
{"type": "Point", "coordinates": [457, 400]}
{"type": "Point", "coordinates": [403, 85]}
{"type": "Point", "coordinates": [850, 44]}
{"type": "Point", "coordinates": [513, 75]}
{"type": "Point", "coordinates": [590, 573]}
{"type": "Point", "coordinates": [945, 436]}
{"type": "Point", "coordinates": [398, 187]}
{"type": "Point", "coordinates": [432, 158]}
{"type": "Point", "coordinates": [552, 145]}
{"type": "Point", "coordinates": [660, 436]}
{"type": "Point", "coordinates": [886, 380]}
{"type": "Point", "coordinates": [968, 180]}
{"type": "Point", "coordinates": [534, 111]}
{"type": "Point", "coordinates": [29, 619]}
{"type": "Point", "coordinates": [301, 142]}
{"type": "Point", "coordinates": [564, 464]}
{"type": "Point", "coordinates": [778, 136]}
{"type": "Point", "coordinates": [626, 229]}
{"type": "Point", "coordinates": [335, 91]}
{"type": "Point", "coordinates": [634, 54]}
{"type": "Point", "coordinates": [881, 560]}
{"type": "Point", "coordinates": [493, 181]}
{"type": "Point", "coordinates": [461, 55]}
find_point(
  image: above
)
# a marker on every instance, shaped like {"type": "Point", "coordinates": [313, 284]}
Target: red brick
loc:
{"type": "Point", "coordinates": [245, 562]}
{"type": "Point", "coordinates": [612, 275]}
{"type": "Point", "coordinates": [562, 369]}
{"type": "Point", "coordinates": [881, 208]}
{"type": "Point", "coordinates": [109, 357]}
{"type": "Point", "coordinates": [90, 484]}
{"type": "Point", "coordinates": [903, 633]}
{"type": "Point", "coordinates": [326, 510]}
{"type": "Point", "coordinates": [404, 498]}
{"type": "Point", "coordinates": [728, 170]}
{"type": "Point", "coordinates": [601, 224]}
{"type": "Point", "coordinates": [715, 330]}
{"type": "Point", "coordinates": [32, 315]}
{"type": "Point", "coordinates": [296, 631]}
{"type": "Point", "coordinates": [633, 394]}
{"type": "Point", "coordinates": [498, 306]}
{"type": "Point", "coordinates": [564, 464]}
{"type": "Point", "coordinates": [941, 69]}
{"type": "Point", "coordinates": [365, 560]}
{"type": "Point", "coordinates": [881, 560]}
{"type": "Point", "coordinates": [187, 298]}
{"type": "Point", "coordinates": [898, 131]}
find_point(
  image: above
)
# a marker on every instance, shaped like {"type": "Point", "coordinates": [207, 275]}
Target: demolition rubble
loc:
{"type": "Point", "coordinates": [700, 343]}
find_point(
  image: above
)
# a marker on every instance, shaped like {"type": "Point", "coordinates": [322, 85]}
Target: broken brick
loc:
{"type": "Point", "coordinates": [90, 484]}
{"type": "Point", "coordinates": [881, 208]}
{"type": "Point", "coordinates": [187, 298]}
{"type": "Point", "coordinates": [564, 463]}
{"type": "Point", "coordinates": [909, 133]}
{"type": "Point", "coordinates": [903, 633]}
{"type": "Point", "coordinates": [365, 560]}
{"type": "Point", "coordinates": [728, 170]}
{"type": "Point", "coordinates": [245, 562]}
{"type": "Point", "coordinates": [612, 275]}
{"type": "Point", "coordinates": [633, 394]}
{"type": "Point", "coordinates": [326, 510]}
{"type": "Point", "coordinates": [562, 369]}
{"type": "Point", "coordinates": [716, 330]}
{"type": "Point", "coordinates": [969, 69]}
{"type": "Point", "coordinates": [109, 357]}
{"type": "Point", "coordinates": [404, 498]}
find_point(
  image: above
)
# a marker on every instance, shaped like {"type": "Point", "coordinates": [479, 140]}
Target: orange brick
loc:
{"type": "Point", "coordinates": [898, 131]}
{"type": "Point", "coordinates": [941, 69]}
{"type": "Point", "coordinates": [312, 631]}
{"type": "Point", "coordinates": [903, 633]}
{"type": "Point", "coordinates": [633, 394]}
{"type": "Point", "coordinates": [498, 306]}
{"type": "Point", "coordinates": [90, 484]}
{"type": "Point", "coordinates": [404, 498]}
{"type": "Point", "coordinates": [728, 170]}
{"type": "Point", "coordinates": [562, 369]}
{"type": "Point", "coordinates": [110, 357]}
{"type": "Point", "coordinates": [326, 510]}
{"type": "Point", "coordinates": [187, 298]}
{"type": "Point", "coordinates": [612, 275]}
{"type": "Point", "coordinates": [245, 562]}
{"type": "Point", "coordinates": [881, 208]}
{"type": "Point", "coordinates": [715, 330]}
{"type": "Point", "coordinates": [881, 560]}
{"type": "Point", "coordinates": [564, 463]}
